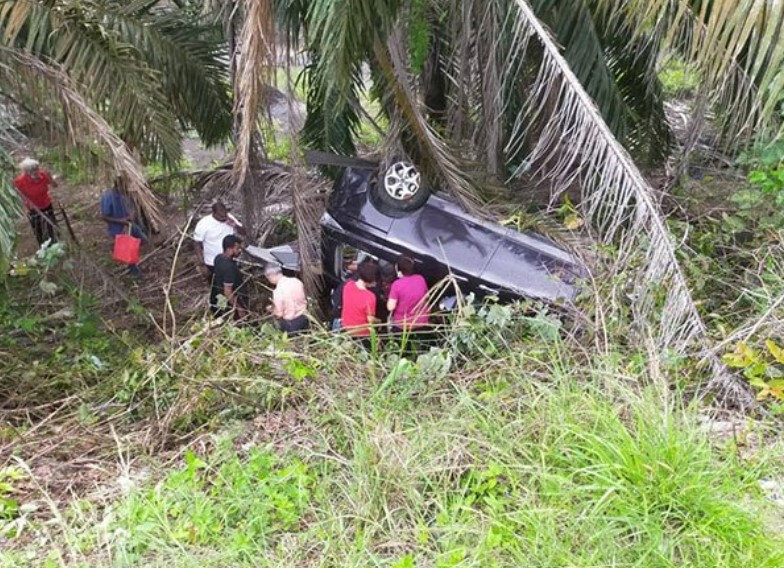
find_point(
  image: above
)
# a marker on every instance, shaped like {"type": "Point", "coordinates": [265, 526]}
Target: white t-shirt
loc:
{"type": "Point", "coordinates": [210, 233]}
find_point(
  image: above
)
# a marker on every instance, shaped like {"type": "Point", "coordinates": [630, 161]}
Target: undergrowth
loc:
{"type": "Point", "coordinates": [505, 447]}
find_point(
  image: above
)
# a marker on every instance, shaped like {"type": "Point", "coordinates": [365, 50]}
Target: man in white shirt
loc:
{"type": "Point", "coordinates": [289, 303]}
{"type": "Point", "coordinates": [209, 234]}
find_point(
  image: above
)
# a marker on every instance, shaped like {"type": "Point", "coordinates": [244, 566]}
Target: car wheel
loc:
{"type": "Point", "coordinates": [402, 187]}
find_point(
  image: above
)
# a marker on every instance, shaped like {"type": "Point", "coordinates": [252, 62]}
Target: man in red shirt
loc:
{"type": "Point", "coordinates": [358, 312]}
{"type": "Point", "coordinates": [34, 185]}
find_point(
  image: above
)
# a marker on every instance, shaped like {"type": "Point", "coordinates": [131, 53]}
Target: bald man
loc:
{"type": "Point", "coordinates": [209, 234]}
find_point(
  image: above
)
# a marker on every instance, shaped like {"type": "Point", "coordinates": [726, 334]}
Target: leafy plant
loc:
{"type": "Point", "coordinates": [569, 214]}
{"type": "Point", "coordinates": [244, 502]}
{"type": "Point", "coordinates": [764, 369]}
{"type": "Point", "coordinates": [9, 506]}
{"type": "Point", "coordinates": [679, 78]}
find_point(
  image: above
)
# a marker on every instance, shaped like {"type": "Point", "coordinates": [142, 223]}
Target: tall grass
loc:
{"type": "Point", "coordinates": [531, 457]}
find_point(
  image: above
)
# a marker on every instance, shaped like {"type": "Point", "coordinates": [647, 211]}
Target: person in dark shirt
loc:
{"type": "Point", "coordinates": [228, 281]}
{"type": "Point", "coordinates": [349, 273]}
{"type": "Point", "coordinates": [120, 216]}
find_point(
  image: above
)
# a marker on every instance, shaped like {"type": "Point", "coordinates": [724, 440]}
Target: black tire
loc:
{"type": "Point", "coordinates": [411, 198]}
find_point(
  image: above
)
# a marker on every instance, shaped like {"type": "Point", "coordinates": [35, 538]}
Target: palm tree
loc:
{"type": "Point", "coordinates": [558, 92]}
{"type": "Point", "coordinates": [135, 75]}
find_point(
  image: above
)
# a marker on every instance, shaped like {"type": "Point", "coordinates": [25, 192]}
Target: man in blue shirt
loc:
{"type": "Point", "coordinates": [118, 212]}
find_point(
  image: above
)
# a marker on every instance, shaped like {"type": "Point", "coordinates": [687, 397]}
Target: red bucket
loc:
{"type": "Point", "coordinates": [127, 249]}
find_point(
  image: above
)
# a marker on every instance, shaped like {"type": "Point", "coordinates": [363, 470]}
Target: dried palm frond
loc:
{"type": "Point", "coordinates": [307, 207]}
{"type": "Point", "coordinates": [83, 121]}
{"type": "Point", "coordinates": [255, 60]}
{"type": "Point", "coordinates": [437, 158]}
{"type": "Point", "coordinates": [577, 145]}
{"type": "Point", "coordinates": [10, 206]}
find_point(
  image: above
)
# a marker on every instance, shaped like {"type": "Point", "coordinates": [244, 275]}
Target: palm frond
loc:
{"type": "Point", "coordinates": [308, 206]}
{"type": "Point", "coordinates": [327, 126]}
{"type": "Point", "coordinates": [346, 33]}
{"type": "Point", "coordinates": [109, 72]}
{"type": "Point", "coordinates": [577, 144]}
{"type": "Point", "coordinates": [616, 67]}
{"type": "Point", "coordinates": [190, 58]}
{"type": "Point", "coordinates": [435, 156]}
{"type": "Point", "coordinates": [736, 47]}
{"type": "Point", "coordinates": [10, 206]}
{"type": "Point", "coordinates": [83, 121]}
{"type": "Point", "coordinates": [254, 64]}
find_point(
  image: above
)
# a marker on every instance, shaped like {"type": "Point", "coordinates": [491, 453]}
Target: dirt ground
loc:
{"type": "Point", "coordinates": [168, 261]}
{"type": "Point", "coordinates": [74, 457]}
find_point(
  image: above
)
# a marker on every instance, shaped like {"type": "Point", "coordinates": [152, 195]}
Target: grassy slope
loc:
{"type": "Point", "coordinates": [519, 453]}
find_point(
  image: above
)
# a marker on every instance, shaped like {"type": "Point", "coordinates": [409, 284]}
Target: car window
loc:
{"type": "Point", "coordinates": [343, 250]}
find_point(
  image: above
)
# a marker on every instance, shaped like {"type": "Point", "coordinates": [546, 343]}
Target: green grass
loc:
{"type": "Point", "coordinates": [678, 78]}
{"type": "Point", "coordinates": [528, 455]}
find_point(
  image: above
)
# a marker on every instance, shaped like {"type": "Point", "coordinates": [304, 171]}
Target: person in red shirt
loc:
{"type": "Point", "coordinates": [34, 185]}
{"type": "Point", "coordinates": [358, 312]}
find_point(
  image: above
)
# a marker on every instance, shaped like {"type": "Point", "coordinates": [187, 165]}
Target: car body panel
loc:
{"type": "Point", "coordinates": [353, 201]}
{"type": "Point", "coordinates": [285, 255]}
{"type": "Point", "coordinates": [462, 245]}
{"type": "Point", "coordinates": [485, 257]}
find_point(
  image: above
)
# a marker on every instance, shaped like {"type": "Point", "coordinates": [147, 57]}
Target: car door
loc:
{"type": "Point", "coordinates": [459, 242]}
{"type": "Point", "coordinates": [520, 265]}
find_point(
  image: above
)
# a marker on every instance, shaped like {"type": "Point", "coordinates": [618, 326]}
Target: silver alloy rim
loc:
{"type": "Point", "coordinates": [401, 181]}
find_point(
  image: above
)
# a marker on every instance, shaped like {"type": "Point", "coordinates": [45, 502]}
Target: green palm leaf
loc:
{"type": "Point", "coordinates": [150, 71]}
{"type": "Point", "coordinates": [110, 73]}
{"type": "Point", "coordinates": [576, 141]}
{"type": "Point", "coordinates": [52, 87]}
{"type": "Point", "coordinates": [189, 57]}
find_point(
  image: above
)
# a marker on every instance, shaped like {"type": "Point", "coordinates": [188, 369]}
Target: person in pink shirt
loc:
{"type": "Point", "coordinates": [407, 304]}
{"type": "Point", "coordinates": [289, 302]}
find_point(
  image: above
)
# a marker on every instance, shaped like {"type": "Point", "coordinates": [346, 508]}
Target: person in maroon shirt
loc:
{"type": "Point", "coordinates": [34, 185]}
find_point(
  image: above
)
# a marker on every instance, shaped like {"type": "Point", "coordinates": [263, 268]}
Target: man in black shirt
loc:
{"type": "Point", "coordinates": [228, 280]}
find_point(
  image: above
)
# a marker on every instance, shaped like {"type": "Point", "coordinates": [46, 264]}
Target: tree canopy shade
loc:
{"type": "Point", "coordinates": [133, 75]}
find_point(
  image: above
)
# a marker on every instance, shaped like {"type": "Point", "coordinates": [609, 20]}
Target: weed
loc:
{"type": "Point", "coordinates": [239, 504]}
{"type": "Point", "coordinates": [678, 78]}
{"type": "Point", "coordinates": [9, 507]}
{"type": "Point", "coordinates": [764, 369]}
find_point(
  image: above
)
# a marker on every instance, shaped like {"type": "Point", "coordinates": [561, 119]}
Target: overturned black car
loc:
{"type": "Point", "coordinates": [485, 258]}
{"type": "Point", "coordinates": [397, 214]}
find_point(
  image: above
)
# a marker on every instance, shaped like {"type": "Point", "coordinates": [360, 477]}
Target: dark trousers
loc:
{"type": "Point", "coordinates": [294, 326]}
{"type": "Point", "coordinates": [44, 224]}
{"type": "Point", "coordinates": [213, 291]}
